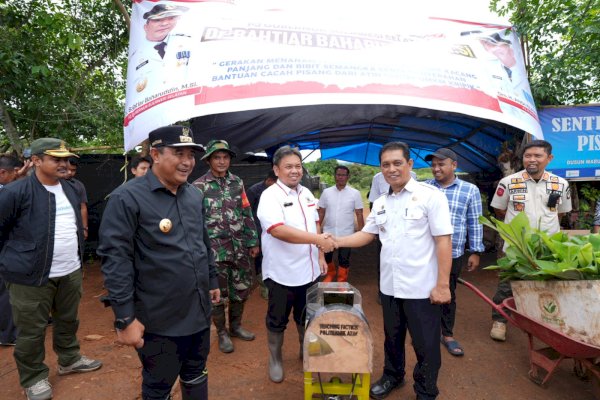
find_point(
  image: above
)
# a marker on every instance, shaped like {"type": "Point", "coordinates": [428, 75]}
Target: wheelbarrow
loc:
{"type": "Point", "coordinates": [559, 346]}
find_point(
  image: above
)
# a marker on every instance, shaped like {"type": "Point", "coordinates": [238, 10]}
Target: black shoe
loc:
{"type": "Point", "coordinates": [384, 386]}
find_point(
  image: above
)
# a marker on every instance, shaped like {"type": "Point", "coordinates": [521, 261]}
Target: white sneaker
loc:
{"type": "Point", "coordinates": [498, 331]}
{"type": "Point", "coordinates": [42, 390]}
{"type": "Point", "coordinates": [84, 364]}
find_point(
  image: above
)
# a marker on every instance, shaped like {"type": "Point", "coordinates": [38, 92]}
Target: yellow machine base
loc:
{"type": "Point", "coordinates": [336, 387]}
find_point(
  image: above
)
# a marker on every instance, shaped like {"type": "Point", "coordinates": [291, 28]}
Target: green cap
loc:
{"type": "Point", "coordinates": [52, 147]}
{"type": "Point", "coordinates": [217, 145]}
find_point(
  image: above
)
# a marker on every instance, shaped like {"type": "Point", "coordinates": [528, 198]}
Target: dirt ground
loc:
{"type": "Point", "coordinates": [488, 370]}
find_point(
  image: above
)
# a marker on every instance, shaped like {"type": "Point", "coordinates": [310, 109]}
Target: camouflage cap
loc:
{"type": "Point", "coordinates": [217, 145]}
{"type": "Point", "coordinates": [52, 147]}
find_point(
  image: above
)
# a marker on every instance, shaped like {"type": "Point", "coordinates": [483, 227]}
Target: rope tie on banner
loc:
{"type": "Point", "coordinates": [124, 168]}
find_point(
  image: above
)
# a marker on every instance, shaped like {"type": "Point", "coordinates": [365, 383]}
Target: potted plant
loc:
{"type": "Point", "coordinates": [555, 278]}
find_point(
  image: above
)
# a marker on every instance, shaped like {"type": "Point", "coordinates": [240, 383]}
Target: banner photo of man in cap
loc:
{"type": "Point", "coordinates": [501, 57]}
{"type": "Point", "coordinates": [161, 61]}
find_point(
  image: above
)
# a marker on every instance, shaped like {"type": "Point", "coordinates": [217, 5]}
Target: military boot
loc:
{"type": "Point", "coordinates": [300, 328]}
{"type": "Point", "coordinates": [236, 310]}
{"type": "Point", "coordinates": [218, 317]}
{"type": "Point", "coordinates": [275, 340]}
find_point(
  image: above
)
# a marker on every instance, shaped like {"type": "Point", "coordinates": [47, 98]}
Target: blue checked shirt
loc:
{"type": "Point", "coordinates": [464, 200]}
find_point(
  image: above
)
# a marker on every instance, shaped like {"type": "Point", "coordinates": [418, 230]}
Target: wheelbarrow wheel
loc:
{"type": "Point", "coordinates": [581, 371]}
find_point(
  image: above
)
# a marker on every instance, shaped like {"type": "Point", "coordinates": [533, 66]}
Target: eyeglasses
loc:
{"type": "Point", "coordinates": [341, 174]}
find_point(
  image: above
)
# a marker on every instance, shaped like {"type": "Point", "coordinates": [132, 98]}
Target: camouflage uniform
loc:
{"type": "Point", "coordinates": [231, 230]}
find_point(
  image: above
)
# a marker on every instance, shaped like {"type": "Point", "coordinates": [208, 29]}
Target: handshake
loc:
{"type": "Point", "coordinates": [326, 242]}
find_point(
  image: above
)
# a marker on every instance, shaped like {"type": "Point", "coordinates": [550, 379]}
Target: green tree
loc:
{"type": "Point", "coordinates": [563, 39]}
{"type": "Point", "coordinates": [60, 72]}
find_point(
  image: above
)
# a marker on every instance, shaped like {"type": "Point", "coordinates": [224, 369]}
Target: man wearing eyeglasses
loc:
{"type": "Point", "coordinates": [343, 203]}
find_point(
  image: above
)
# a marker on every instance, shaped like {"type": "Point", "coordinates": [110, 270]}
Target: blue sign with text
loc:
{"type": "Point", "coordinates": [574, 133]}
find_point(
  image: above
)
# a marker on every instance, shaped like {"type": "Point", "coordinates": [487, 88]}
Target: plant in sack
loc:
{"type": "Point", "coordinates": [535, 255]}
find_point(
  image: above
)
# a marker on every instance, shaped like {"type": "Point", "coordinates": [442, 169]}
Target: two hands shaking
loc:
{"type": "Point", "coordinates": [326, 242]}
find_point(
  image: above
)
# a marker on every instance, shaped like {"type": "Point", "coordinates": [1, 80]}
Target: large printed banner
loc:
{"type": "Point", "coordinates": [574, 133]}
{"type": "Point", "coordinates": [194, 58]}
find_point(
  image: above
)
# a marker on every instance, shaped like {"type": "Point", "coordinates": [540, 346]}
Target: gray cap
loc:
{"type": "Point", "coordinates": [442, 154]}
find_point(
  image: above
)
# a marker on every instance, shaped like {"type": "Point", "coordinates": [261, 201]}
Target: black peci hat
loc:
{"type": "Point", "coordinates": [173, 136]}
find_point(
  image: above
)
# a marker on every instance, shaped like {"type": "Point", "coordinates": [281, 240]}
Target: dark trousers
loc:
{"type": "Point", "coordinates": [503, 291]}
{"type": "Point", "coordinates": [282, 299]}
{"type": "Point", "coordinates": [8, 330]}
{"type": "Point", "coordinates": [31, 306]}
{"type": "Point", "coordinates": [164, 358]}
{"type": "Point", "coordinates": [343, 257]}
{"type": "Point", "coordinates": [422, 319]}
{"type": "Point", "coordinates": [449, 310]}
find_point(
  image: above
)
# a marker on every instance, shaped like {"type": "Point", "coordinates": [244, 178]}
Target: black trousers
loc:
{"type": "Point", "coordinates": [422, 319]}
{"type": "Point", "coordinates": [449, 310]}
{"type": "Point", "coordinates": [282, 299]}
{"type": "Point", "coordinates": [164, 358]}
{"type": "Point", "coordinates": [343, 257]}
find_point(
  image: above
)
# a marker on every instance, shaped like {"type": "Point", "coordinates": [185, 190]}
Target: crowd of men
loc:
{"type": "Point", "coordinates": [165, 242]}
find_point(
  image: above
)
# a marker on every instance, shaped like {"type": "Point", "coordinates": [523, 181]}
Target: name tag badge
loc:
{"type": "Point", "coordinates": [288, 204]}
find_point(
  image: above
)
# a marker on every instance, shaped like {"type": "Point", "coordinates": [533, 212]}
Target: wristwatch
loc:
{"type": "Point", "coordinates": [122, 323]}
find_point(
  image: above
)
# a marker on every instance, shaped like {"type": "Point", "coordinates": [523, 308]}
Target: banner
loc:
{"type": "Point", "coordinates": [195, 58]}
{"type": "Point", "coordinates": [574, 133]}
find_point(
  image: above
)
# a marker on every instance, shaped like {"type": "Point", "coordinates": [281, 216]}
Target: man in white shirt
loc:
{"type": "Point", "coordinates": [290, 244]}
{"type": "Point", "coordinates": [343, 203]}
{"type": "Point", "coordinates": [413, 223]}
{"type": "Point", "coordinates": [379, 187]}
{"type": "Point", "coordinates": [41, 245]}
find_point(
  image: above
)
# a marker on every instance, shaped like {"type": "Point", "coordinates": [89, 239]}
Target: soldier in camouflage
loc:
{"type": "Point", "coordinates": [233, 237]}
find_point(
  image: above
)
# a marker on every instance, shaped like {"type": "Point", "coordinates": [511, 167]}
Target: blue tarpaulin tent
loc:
{"type": "Point", "coordinates": [355, 133]}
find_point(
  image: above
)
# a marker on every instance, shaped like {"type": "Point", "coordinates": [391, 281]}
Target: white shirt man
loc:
{"type": "Point", "coordinates": [290, 244]}
{"type": "Point", "coordinates": [337, 207]}
{"type": "Point", "coordinates": [413, 223]}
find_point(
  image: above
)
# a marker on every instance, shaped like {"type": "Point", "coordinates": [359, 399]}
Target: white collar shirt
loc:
{"type": "Point", "coordinates": [288, 264]}
{"type": "Point", "coordinates": [407, 223]}
{"type": "Point", "coordinates": [379, 187]}
{"type": "Point", "coordinates": [340, 206]}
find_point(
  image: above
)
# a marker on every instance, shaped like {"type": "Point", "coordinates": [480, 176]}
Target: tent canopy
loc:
{"type": "Point", "coordinates": [355, 133]}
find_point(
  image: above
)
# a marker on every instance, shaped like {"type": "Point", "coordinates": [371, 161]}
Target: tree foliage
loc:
{"type": "Point", "coordinates": [563, 39]}
{"type": "Point", "coordinates": [360, 175]}
{"type": "Point", "coordinates": [60, 72]}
